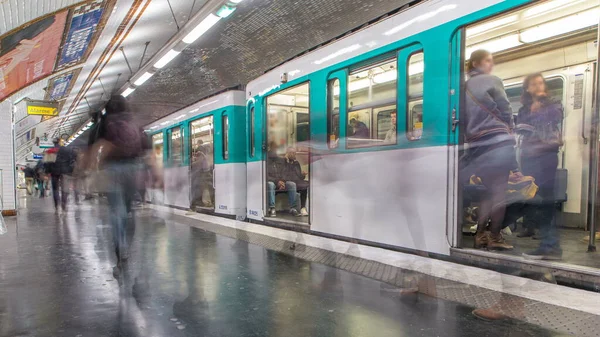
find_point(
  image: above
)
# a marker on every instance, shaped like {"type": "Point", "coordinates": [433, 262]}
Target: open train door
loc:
{"type": "Point", "coordinates": [455, 141]}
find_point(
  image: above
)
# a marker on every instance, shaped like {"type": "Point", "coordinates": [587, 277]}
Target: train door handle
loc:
{"type": "Point", "coordinates": [455, 121]}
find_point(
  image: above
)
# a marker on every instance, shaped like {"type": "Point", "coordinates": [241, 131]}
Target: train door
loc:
{"type": "Point", "coordinates": [288, 155]}
{"type": "Point", "coordinates": [176, 172]}
{"type": "Point", "coordinates": [156, 196]}
{"type": "Point", "coordinates": [553, 43]}
{"type": "Point", "coordinates": [202, 194]}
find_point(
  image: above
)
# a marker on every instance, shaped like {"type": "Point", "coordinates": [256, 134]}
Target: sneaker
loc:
{"type": "Point", "coordinates": [293, 211]}
{"type": "Point", "coordinates": [544, 254]}
{"type": "Point", "coordinates": [272, 212]}
{"type": "Point", "coordinates": [497, 242]}
{"type": "Point", "coordinates": [303, 212]}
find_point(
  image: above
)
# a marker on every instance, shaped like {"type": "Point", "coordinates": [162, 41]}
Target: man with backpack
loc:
{"type": "Point", "coordinates": [123, 152]}
{"type": "Point", "coordinates": [59, 162]}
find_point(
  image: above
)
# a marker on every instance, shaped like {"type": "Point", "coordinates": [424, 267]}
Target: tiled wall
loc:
{"type": "Point", "coordinates": [7, 164]}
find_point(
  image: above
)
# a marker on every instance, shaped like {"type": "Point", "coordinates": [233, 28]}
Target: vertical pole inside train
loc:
{"type": "Point", "coordinates": [594, 155]}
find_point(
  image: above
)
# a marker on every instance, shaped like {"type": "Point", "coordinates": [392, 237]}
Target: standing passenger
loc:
{"type": "Point", "coordinates": [539, 123]}
{"type": "Point", "coordinates": [489, 124]}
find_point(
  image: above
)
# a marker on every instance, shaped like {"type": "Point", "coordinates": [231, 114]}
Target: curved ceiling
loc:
{"type": "Point", "coordinates": [259, 35]}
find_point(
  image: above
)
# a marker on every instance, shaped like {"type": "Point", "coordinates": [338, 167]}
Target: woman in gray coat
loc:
{"type": "Point", "coordinates": [489, 124]}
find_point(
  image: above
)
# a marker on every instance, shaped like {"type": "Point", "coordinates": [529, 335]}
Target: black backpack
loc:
{"type": "Point", "coordinates": [125, 136]}
{"type": "Point", "coordinates": [65, 161]}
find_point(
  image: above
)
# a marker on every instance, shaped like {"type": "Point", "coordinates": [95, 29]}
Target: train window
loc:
{"type": "Point", "coordinates": [414, 119]}
{"type": "Point", "coordinates": [252, 139]}
{"type": "Point", "coordinates": [370, 89]}
{"type": "Point", "coordinates": [201, 139]}
{"type": "Point", "coordinates": [157, 145]}
{"type": "Point", "coordinates": [175, 146]}
{"type": "Point", "coordinates": [288, 118]}
{"type": "Point", "coordinates": [333, 112]}
{"type": "Point", "coordinates": [225, 123]}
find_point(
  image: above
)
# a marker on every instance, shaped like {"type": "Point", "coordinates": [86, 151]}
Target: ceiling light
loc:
{"type": "Point", "coordinates": [416, 68]}
{"type": "Point", "coordinates": [385, 77]}
{"type": "Point", "coordinates": [225, 11]}
{"type": "Point", "coordinates": [90, 123]}
{"type": "Point", "coordinates": [169, 56]}
{"type": "Point", "coordinates": [503, 43]}
{"type": "Point", "coordinates": [420, 18]}
{"type": "Point", "coordinates": [549, 6]}
{"type": "Point", "coordinates": [236, 1]}
{"type": "Point", "coordinates": [202, 28]}
{"type": "Point", "coordinates": [338, 53]}
{"type": "Point", "coordinates": [561, 26]}
{"type": "Point", "coordinates": [125, 93]}
{"type": "Point", "coordinates": [488, 26]}
{"type": "Point", "coordinates": [143, 78]}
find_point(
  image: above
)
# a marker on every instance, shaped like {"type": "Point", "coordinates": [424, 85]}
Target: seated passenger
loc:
{"type": "Point", "coordinates": [276, 181]}
{"type": "Point", "coordinates": [359, 129]}
{"type": "Point", "coordinates": [390, 136]}
{"type": "Point", "coordinates": [293, 174]}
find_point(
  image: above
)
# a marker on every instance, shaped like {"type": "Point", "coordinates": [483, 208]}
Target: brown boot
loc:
{"type": "Point", "coordinates": [497, 242]}
{"type": "Point", "coordinates": [481, 239]}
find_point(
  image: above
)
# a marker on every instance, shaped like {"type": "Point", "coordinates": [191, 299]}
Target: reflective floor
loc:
{"type": "Point", "coordinates": [56, 280]}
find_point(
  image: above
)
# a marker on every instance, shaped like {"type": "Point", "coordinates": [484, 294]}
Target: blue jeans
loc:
{"type": "Point", "coordinates": [542, 215]}
{"type": "Point", "coordinates": [123, 186]}
{"type": "Point", "coordinates": [290, 188]}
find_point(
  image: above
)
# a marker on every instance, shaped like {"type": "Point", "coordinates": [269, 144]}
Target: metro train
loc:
{"type": "Point", "coordinates": [402, 192]}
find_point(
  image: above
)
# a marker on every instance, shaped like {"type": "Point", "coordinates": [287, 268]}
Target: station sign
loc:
{"type": "Point", "coordinates": [42, 108]}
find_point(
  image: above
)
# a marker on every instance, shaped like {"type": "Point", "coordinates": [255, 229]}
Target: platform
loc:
{"type": "Point", "coordinates": [198, 275]}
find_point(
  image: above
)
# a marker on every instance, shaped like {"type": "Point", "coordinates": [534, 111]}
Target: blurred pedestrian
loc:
{"type": "Point", "coordinates": [121, 147]}
{"type": "Point", "coordinates": [59, 163]}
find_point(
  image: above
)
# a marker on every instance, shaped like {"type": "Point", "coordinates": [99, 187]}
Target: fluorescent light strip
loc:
{"type": "Point", "coordinates": [489, 26]}
{"type": "Point", "coordinates": [338, 53]}
{"type": "Point", "coordinates": [125, 93]}
{"type": "Point", "coordinates": [561, 26]}
{"type": "Point", "coordinates": [143, 78]}
{"type": "Point", "coordinates": [169, 56]}
{"type": "Point", "coordinates": [548, 7]}
{"type": "Point", "coordinates": [236, 1]}
{"type": "Point", "coordinates": [201, 28]}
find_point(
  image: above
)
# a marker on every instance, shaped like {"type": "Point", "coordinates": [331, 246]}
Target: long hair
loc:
{"type": "Point", "coordinates": [526, 97]}
{"type": "Point", "coordinates": [476, 58]}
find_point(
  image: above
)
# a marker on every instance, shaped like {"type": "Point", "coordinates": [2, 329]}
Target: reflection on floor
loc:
{"type": "Point", "coordinates": [56, 280]}
{"type": "Point", "coordinates": [574, 249]}
{"type": "Point", "coordinates": [287, 217]}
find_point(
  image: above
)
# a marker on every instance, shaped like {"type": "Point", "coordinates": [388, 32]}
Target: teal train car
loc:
{"type": "Point", "coordinates": [202, 149]}
{"type": "Point", "coordinates": [374, 118]}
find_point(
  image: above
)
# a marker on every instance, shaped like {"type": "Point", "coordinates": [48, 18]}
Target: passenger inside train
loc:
{"type": "Point", "coordinates": [541, 105]}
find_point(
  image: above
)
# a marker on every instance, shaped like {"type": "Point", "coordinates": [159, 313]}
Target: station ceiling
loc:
{"type": "Point", "coordinates": [258, 36]}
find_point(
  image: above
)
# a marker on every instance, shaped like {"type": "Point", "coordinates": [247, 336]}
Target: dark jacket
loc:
{"type": "Point", "coordinates": [65, 161]}
{"type": "Point", "coordinates": [361, 131]}
{"type": "Point", "coordinates": [29, 172]}
{"type": "Point", "coordinates": [488, 112]}
{"type": "Point", "coordinates": [292, 171]}
{"type": "Point", "coordinates": [541, 130]}
{"type": "Point", "coordinates": [275, 169]}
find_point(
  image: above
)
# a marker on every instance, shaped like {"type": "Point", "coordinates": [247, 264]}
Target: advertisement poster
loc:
{"type": "Point", "coordinates": [83, 23]}
{"type": "Point", "coordinates": [60, 86]}
{"type": "Point", "coordinates": [30, 53]}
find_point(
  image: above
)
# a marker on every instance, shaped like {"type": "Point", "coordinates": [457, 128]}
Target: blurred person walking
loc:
{"type": "Point", "coordinates": [539, 124]}
{"type": "Point", "coordinates": [59, 162]}
{"type": "Point", "coordinates": [491, 154]}
{"type": "Point", "coordinates": [29, 179]}
{"type": "Point", "coordinates": [122, 150]}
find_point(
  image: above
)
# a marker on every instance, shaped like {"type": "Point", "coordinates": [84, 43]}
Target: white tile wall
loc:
{"type": "Point", "coordinates": [7, 163]}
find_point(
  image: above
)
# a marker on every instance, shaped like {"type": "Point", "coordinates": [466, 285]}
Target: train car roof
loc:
{"type": "Point", "coordinates": [414, 20]}
{"type": "Point", "coordinates": [228, 98]}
